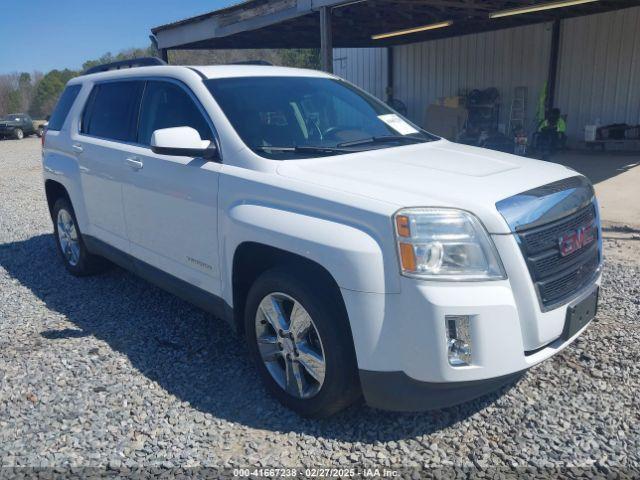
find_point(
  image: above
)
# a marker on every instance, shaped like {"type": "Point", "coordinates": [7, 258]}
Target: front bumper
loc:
{"type": "Point", "coordinates": [398, 392]}
{"type": "Point", "coordinates": [400, 339]}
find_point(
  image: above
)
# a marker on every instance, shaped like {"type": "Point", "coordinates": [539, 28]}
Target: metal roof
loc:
{"type": "Point", "coordinates": [203, 16]}
{"type": "Point", "coordinates": [296, 23]}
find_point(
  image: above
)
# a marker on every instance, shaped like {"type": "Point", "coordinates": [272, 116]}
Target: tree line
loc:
{"type": "Point", "coordinates": [37, 93]}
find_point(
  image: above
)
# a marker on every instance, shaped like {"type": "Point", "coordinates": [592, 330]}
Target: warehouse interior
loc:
{"type": "Point", "coordinates": [597, 82]}
{"type": "Point", "coordinates": [485, 73]}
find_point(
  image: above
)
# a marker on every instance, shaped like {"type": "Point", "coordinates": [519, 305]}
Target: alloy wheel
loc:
{"type": "Point", "coordinates": [290, 345]}
{"type": "Point", "coordinates": [68, 237]}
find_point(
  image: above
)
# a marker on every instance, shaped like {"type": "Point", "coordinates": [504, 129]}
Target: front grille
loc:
{"type": "Point", "coordinates": [557, 278]}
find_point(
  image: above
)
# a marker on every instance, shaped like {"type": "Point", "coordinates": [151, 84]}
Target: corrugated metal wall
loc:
{"type": "Point", "coordinates": [599, 75]}
{"type": "Point", "coordinates": [365, 67]}
{"type": "Point", "coordinates": [426, 71]}
{"type": "Point", "coordinates": [504, 59]}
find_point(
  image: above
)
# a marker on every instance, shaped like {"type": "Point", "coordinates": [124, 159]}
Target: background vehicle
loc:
{"type": "Point", "coordinates": [17, 126]}
{"type": "Point", "coordinates": [42, 127]}
{"type": "Point", "coordinates": [356, 253]}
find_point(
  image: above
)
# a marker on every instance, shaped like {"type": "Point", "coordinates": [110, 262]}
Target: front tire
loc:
{"type": "Point", "coordinates": [77, 259]}
{"type": "Point", "coordinates": [18, 134]}
{"type": "Point", "coordinates": [299, 337]}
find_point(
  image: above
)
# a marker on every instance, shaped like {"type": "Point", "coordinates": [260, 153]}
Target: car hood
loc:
{"type": "Point", "coordinates": [436, 174]}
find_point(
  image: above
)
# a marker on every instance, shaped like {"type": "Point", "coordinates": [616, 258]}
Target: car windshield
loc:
{"type": "Point", "coordinates": [300, 117]}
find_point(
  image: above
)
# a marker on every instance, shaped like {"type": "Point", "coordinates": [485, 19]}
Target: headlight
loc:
{"type": "Point", "coordinates": [445, 244]}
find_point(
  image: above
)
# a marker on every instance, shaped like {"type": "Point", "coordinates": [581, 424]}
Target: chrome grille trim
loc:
{"type": "Point", "coordinates": [538, 218]}
{"type": "Point", "coordinates": [559, 279]}
{"type": "Point", "coordinates": [547, 203]}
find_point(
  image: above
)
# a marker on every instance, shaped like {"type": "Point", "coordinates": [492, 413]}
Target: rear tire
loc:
{"type": "Point", "coordinates": [18, 134]}
{"type": "Point", "coordinates": [322, 365]}
{"type": "Point", "coordinates": [39, 132]}
{"type": "Point", "coordinates": [77, 259]}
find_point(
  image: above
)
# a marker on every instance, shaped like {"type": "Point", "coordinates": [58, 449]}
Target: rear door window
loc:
{"type": "Point", "coordinates": [167, 105]}
{"type": "Point", "coordinates": [112, 111]}
{"type": "Point", "coordinates": [63, 106]}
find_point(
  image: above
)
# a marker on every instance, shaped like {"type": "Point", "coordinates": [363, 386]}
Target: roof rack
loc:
{"type": "Point", "coordinates": [252, 62]}
{"type": "Point", "coordinates": [134, 62]}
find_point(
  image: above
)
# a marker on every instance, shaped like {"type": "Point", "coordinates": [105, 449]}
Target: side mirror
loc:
{"type": "Point", "coordinates": [182, 142]}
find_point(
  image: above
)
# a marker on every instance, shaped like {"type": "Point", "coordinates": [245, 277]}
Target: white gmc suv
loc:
{"type": "Point", "coordinates": [358, 254]}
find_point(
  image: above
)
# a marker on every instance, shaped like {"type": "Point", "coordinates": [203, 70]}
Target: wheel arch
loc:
{"type": "Point", "coordinates": [351, 254]}
{"type": "Point", "coordinates": [251, 259]}
{"type": "Point", "coordinates": [53, 191]}
{"type": "Point", "coordinates": [62, 177]}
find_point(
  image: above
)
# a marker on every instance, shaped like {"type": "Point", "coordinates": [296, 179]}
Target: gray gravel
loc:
{"type": "Point", "coordinates": [111, 371]}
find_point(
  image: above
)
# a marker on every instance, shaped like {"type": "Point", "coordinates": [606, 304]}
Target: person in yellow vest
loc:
{"type": "Point", "coordinates": [553, 129]}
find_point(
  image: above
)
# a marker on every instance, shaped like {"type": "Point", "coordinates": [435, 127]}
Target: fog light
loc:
{"type": "Point", "coordinates": [458, 339]}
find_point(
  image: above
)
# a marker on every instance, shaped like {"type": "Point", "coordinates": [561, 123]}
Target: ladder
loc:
{"type": "Point", "coordinates": [518, 113]}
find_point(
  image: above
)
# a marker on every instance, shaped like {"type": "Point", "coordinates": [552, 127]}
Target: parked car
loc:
{"type": "Point", "coordinates": [42, 127]}
{"type": "Point", "coordinates": [16, 125]}
{"type": "Point", "coordinates": [358, 254]}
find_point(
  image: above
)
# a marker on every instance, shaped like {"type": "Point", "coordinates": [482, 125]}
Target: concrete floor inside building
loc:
{"type": "Point", "coordinates": [616, 177]}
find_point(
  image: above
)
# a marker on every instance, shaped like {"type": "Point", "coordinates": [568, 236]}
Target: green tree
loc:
{"type": "Point", "coordinates": [24, 81]}
{"type": "Point", "coordinates": [295, 57]}
{"type": "Point", "coordinates": [301, 58]}
{"type": "Point", "coordinates": [106, 58]}
{"type": "Point", "coordinates": [13, 101]}
{"type": "Point", "coordinates": [25, 91]}
{"type": "Point", "coordinates": [48, 90]}
{"type": "Point", "coordinates": [123, 55]}
{"type": "Point", "coordinates": [16, 90]}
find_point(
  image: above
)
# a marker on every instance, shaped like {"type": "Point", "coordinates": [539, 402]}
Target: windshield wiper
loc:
{"type": "Point", "coordinates": [301, 149]}
{"type": "Point", "coordinates": [383, 139]}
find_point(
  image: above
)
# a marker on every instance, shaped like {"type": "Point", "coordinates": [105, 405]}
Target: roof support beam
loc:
{"type": "Point", "coordinates": [553, 64]}
{"type": "Point", "coordinates": [326, 40]}
{"type": "Point", "coordinates": [390, 79]}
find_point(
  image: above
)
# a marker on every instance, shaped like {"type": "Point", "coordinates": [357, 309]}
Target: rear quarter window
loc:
{"type": "Point", "coordinates": [63, 106]}
{"type": "Point", "coordinates": [111, 111]}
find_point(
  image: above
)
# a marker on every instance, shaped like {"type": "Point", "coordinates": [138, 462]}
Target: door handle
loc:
{"type": "Point", "coordinates": [76, 147]}
{"type": "Point", "coordinates": [135, 163]}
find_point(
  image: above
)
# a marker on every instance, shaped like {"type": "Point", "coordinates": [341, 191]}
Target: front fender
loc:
{"type": "Point", "coordinates": [353, 257]}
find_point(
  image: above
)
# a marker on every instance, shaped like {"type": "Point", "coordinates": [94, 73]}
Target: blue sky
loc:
{"type": "Point", "coordinates": [64, 33]}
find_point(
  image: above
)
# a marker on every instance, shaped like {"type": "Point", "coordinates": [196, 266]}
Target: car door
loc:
{"type": "Point", "coordinates": [22, 123]}
{"type": "Point", "coordinates": [171, 202]}
{"type": "Point", "coordinates": [28, 125]}
{"type": "Point", "coordinates": [106, 138]}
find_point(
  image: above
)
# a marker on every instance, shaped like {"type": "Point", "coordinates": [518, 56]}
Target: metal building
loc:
{"type": "Point", "coordinates": [598, 68]}
{"type": "Point", "coordinates": [587, 52]}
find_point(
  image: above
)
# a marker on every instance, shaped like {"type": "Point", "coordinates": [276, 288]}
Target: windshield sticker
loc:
{"type": "Point", "coordinates": [398, 124]}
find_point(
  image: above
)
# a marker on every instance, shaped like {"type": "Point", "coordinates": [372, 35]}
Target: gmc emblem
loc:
{"type": "Point", "coordinates": [574, 241]}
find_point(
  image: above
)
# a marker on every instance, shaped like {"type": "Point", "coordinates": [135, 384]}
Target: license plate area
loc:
{"type": "Point", "coordinates": [580, 313]}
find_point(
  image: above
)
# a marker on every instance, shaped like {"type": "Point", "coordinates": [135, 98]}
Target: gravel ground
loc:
{"type": "Point", "coordinates": [111, 371]}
